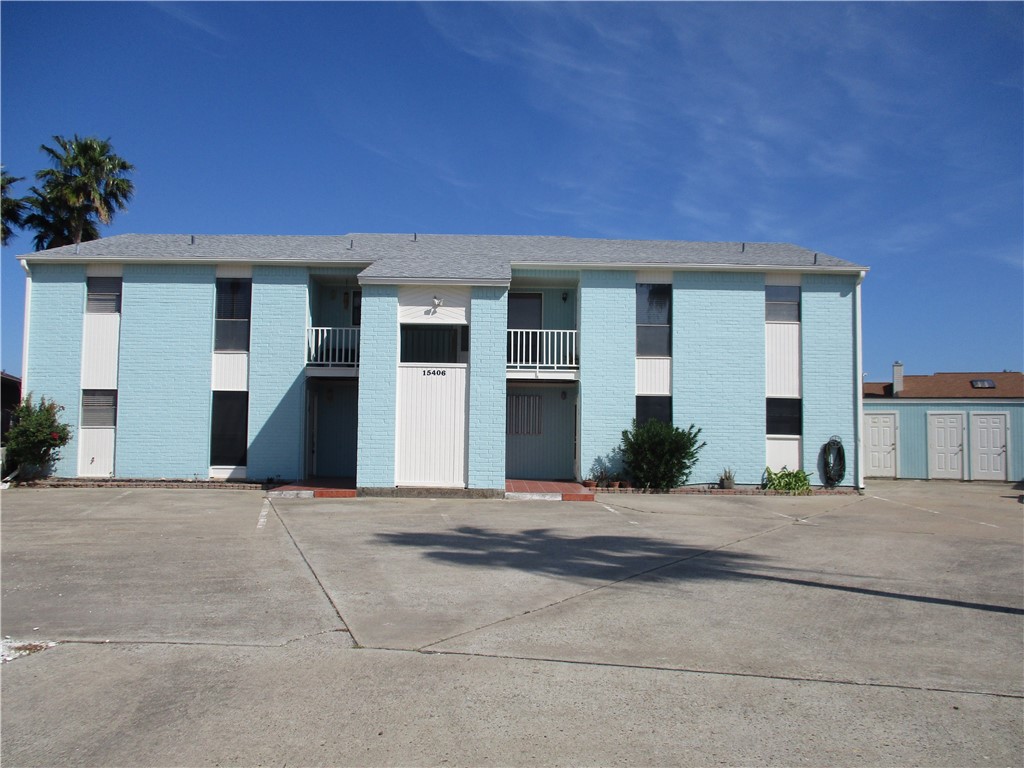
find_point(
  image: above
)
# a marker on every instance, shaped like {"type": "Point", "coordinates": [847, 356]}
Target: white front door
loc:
{"type": "Point", "coordinates": [430, 434]}
{"type": "Point", "coordinates": [880, 429]}
{"type": "Point", "coordinates": [988, 446]}
{"type": "Point", "coordinates": [946, 446]}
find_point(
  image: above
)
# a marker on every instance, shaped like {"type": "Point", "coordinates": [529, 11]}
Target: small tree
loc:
{"type": "Point", "coordinates": [36, 437]}
{"type": "Point", "coordinates": [659, 455]}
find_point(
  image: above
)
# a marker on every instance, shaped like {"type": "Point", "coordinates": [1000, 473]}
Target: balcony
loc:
{"type": "Point", "coordinates": [332, 351]}
{"type": "Point", "coordinates": [535, 354]}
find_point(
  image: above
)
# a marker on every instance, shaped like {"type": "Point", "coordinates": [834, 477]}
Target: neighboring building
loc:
{"type": "Point", "coordinates": [10, 397]}
{"type": "Point", "coordinates": [437, 360]}
{"type": "Point", "coordinates": [958, 426]}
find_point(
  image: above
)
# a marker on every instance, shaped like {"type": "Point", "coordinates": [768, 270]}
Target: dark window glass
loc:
{"type": "Point", "coordinates": [103, 295]}
{"type": "Point", "coordinates": [782, 303]}
{"type": "Point", "coordinates": [653, 304]}
{"type": "Point", "coordinates": [782, 293]}
{"type": "Point", "coordinates": [432, 343]}
{"type": "Point", "coordinates": [653, 341]}
{"type": "Point", "coordinates": [653, 407]}
{"type": "Point", "coordinates": [99, 407]}
{"type": "Point", "coordinates": [783, 416]}
{"type": "Point", "coordinates": [234, 308]}
{"type": "Point", "coordinates": [229, 429]}
{"type": "Point", "coordinates": [357, 308]}
{"type": "Point", "coordinates": [653, 320]}
{"type": "Point", "coordinates": [525, 311]}
{"type": "Point", "coordinates": [234, 298]}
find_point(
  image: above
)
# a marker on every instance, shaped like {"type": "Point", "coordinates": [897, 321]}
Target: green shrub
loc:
{"type": "Point", "coordinates": [658, 455]}
{"type": "Point", "coordinates": [36, 437]}
{"type": "Point", "coordinates": [794, 481]}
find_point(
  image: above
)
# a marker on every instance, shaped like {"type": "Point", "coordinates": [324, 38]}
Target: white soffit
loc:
{"type": "Point", "coordinates": [433, 304]}
{"type": "Point", "coordinates": [782, 278]}
{"type": "Point", "coordinates": [103, 270]}
{"type": "Point", "coordinates": [241, 271]}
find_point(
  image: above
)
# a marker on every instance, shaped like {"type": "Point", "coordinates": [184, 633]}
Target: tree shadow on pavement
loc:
{"type": "Point", "coordinates": [541, 550]}
{"type": "Point", "coordinates": [615, 558]}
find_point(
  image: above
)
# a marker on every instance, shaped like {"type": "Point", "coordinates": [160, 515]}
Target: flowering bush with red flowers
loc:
{"type": "Point", "coordinates": [36, 437]}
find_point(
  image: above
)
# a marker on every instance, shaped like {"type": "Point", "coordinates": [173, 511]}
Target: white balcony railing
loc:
{"type": "Point", "coordinates": [530, 350]}
{"type": "Point", "coordinates": [333, 347]}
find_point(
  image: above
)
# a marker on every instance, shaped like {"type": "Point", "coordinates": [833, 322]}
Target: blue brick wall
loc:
{"type": "Point", "coordinates": [378, 382]}
{"type": "Point", "coordinates": [830, 380]}
{"type": "Point", "coordinates": [488, 317]}
{"type": "Point", "coordinates": [163, 409]}
{"type": "Point", "coordinates": [607, 364]}
{"type": "Point", "coordinates": [718, 370]}
{"type": "Point", "coordinates": [54, 366]}
{"type": "Point", "coordinates": [277, 362]}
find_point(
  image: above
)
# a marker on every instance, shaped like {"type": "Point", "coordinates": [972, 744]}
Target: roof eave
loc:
{"type": "Point", "coordinates": [852, 269]}
{"type": "Point", "coordinates": [427, 280]}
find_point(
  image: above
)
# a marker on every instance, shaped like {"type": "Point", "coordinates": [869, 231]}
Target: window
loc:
{"type": "Point", "coordinates": [234, 308]}
{"type": "Point", "coordinates": [782, 303]}
{"type": "Point", "coordinates": [229, 429]}
{"type": "Point", "coordinates": [522, 414]}
{"type": "Point", "coordinates": [525, 311]}
{"type": "Point", "coordinates": [103, 295]}
{"type": "Point", "coordinates": [657, 407]}
{"type": "Point", "coordinates": [357, 308]}
{"type": "Point", "coordinates": [784, 416]}
{"type": "Point", "coordinates": [433, 343]}
{"type": "Point", "coordinates": [99, 407]}
{"type": "Point", "coordinates": [653, 320]}
{"type": "Point", "coordinates": [983, 384]}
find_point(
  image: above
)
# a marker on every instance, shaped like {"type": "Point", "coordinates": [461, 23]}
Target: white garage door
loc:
{"type": "Point", "coordinates": [988, 446]}
{"type": "Point", "coordinates": [946, 446]}
{"type": "Point", "coordinates": [880, 429]}
{"type": "Point", "coordinates": [430, 434]}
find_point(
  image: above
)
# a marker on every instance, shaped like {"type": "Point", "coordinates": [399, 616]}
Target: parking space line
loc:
{"type": "Point", "coordinates": [263, 515]}
{"type": "Point", "coordinates": [934, 512]}
{"type": "Point", "coordinates": [616, 512]}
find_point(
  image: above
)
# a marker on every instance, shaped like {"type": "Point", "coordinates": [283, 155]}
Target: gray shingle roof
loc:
{"type": "Point", "coordinates": [456, 258]}
{"type": "Point", "coordinates": [255, 248]}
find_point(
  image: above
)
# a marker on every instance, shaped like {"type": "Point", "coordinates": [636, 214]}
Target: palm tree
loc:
{"type": "Point", "coordinates": [52, 221]}
{"type": "Point", "coordinates": [87, 185]}
{"type": "Point", "coordinates": [14, 208]}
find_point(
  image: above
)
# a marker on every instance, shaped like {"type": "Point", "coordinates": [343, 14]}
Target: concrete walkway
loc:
{"type": "Point", "coordinates": [223, 628]}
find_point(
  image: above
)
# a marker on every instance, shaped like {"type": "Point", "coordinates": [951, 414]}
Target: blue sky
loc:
{"type": "Point", "coordinates": [891, 135]}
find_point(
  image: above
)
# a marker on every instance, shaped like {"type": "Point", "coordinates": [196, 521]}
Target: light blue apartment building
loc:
{"type": "Point", "coordinates": [439, 360]}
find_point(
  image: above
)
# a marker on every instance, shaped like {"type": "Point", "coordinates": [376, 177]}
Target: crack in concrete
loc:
{"type": "Point", "coordinates": [315, 575]}
{"type": "Point", "coordinates": [203, 643]}
{"type": "Point", "coordinates": [718, 673]}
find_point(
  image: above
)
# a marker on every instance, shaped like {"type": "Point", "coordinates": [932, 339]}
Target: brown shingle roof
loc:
{"type": "Point", "coordinates": [952, 386]}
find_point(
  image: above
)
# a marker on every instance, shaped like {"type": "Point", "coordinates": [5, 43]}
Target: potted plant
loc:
{"type": "Point", "coordinates": [727, 480]}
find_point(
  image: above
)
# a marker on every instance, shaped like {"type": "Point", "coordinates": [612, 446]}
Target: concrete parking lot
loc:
{"type": "Point", "coordinates": [223, 628]}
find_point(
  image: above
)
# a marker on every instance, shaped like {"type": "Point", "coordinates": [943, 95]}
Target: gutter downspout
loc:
{"type": "Point", "coordinates": [24, 330]}
{"type": "Point", "coordinates": [858, 427]}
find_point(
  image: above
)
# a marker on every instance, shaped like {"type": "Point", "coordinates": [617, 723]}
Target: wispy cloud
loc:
{"type": "Point", "coordinates": [186, 14]}
{"type": "Point", "coordinates": [762, 120]}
